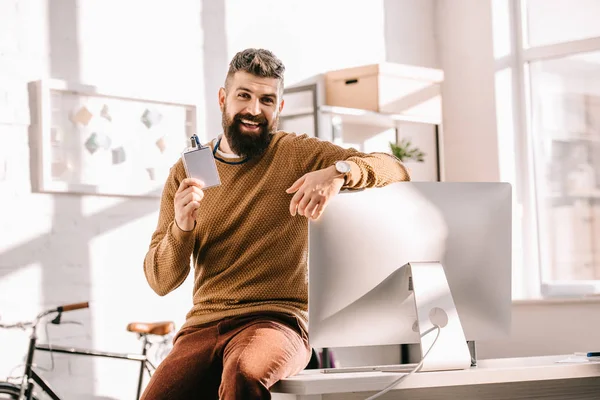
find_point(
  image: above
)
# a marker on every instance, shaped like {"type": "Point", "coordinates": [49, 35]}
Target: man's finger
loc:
{"type": "Point", "coordinates": [193, 196]}
{"type": "Point", "coordinates": [311, 208]}
{"type": "Point", "coordinates": [303, 205]}
{"type": "Point", "coordinates": [296, 185]}
{"type": "Point", "coordinates": [294, 203]}
{"type": "Point", "coordinates": [191, 207]}
{"type": "Point", "coordinates": [194, 181]}
{"type": "Point", "coordinates": [187, 182]}
{"type": "Point", "coordinates": [184, 197]}
{"type": "Point", "coordinates": [188, 190]}
{"type": "Point", "coordinates": [319, 211]}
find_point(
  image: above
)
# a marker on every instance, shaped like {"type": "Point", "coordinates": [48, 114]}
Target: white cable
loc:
{"type": "Point", "coordinates": [415, 369]}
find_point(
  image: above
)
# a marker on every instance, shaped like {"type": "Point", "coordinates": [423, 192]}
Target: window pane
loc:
{"type": "Point", "coordinates": [566, 136]}
{"type": "Point", "coordinates": [555, 21]}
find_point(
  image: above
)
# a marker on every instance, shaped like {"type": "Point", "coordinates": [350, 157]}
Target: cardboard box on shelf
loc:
{"type": "Point", "coordinates": [386, 88]}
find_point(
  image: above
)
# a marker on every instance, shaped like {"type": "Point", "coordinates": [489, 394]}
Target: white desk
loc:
{"type": "Point", "coordinates": [508, 378]}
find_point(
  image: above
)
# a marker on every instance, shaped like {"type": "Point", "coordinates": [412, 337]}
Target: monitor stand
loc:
{"type": "Point", "coordinates": [434, 306]}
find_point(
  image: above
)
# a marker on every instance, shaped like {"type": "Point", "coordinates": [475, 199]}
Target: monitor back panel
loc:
{"type": "Point", "coordinates": [358, 290]}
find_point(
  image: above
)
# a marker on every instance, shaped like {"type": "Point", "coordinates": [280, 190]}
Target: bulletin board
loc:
{"type": "Point", "coordinates": [88, 141]}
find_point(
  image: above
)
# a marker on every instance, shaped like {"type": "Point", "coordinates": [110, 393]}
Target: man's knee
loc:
{"type": "Point", "coordinates": [244, 380]}
{"type": "Point", "coordinates": [259, 372]}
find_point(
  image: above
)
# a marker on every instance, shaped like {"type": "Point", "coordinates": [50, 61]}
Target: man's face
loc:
{"type": "Point", "coordinates": [251, 106]}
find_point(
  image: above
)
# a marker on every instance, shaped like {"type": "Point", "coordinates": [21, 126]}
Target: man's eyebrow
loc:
{"type": "Point", "coordinates": [244, 89]}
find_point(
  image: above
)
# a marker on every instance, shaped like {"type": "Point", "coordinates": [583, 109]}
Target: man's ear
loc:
{"type": "Point", "coordinates": [281, 106]}
{"type": "Point", "coordinates": [222, 96]}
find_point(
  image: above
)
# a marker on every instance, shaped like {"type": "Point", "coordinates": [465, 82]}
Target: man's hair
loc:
{"type": "Point", "coordinates": [258, 62]}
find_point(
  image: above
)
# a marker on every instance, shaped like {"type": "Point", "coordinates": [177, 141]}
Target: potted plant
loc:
{"type": "Point", "coordinates": [405, 151]}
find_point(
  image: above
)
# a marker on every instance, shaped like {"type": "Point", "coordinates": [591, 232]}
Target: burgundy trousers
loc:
{"type": "Point", "coordinates": [235, 358]}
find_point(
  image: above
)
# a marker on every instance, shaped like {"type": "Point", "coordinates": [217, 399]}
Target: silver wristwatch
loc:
{"type": "Point", "coordinates": [343, 168]}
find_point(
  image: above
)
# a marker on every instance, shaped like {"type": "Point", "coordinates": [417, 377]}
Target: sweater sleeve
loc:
{"type": "Point", "coordinates": [367, 169]}
{"type": "Point", "coordinates": [167, 262]}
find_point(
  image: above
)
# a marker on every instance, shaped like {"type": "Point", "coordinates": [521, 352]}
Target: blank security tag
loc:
{"type": "Point", "coordinates": [200, 163]}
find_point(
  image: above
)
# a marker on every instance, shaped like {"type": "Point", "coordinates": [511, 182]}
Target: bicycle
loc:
{"type": "Point", "coordinates": [24, 390]}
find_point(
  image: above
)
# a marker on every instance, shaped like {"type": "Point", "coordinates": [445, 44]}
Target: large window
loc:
{"type": "Point", "coordinates": [565, 122]}
{"type": "Point", "coordinates": [557, 64]}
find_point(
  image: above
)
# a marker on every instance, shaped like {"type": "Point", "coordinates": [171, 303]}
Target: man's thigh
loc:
{"type": "Point", "coordinates": [266, 351]}
{"type": "Point", "coordinates": [189, 370]}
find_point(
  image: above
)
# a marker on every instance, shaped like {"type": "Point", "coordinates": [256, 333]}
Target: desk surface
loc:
{"type": "Point", "coordinates": [544, 373]}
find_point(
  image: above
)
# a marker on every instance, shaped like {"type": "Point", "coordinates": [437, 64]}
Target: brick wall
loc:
{"type": "Point", "coordinates": [57, 249]}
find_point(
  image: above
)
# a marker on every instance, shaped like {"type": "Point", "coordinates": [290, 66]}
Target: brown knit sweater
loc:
{"type": "Point", "coordinates": [249, 253]}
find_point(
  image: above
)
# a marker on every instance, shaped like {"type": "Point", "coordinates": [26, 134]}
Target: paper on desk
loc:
{"type": "Point", "coordinates": [575, 359]}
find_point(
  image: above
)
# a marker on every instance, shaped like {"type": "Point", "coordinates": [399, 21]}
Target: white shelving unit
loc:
{"type": "Point", "coordinates": [365, 130]}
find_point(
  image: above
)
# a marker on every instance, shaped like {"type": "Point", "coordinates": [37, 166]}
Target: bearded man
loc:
{"type": "Point", "coordinates": [248, 240]}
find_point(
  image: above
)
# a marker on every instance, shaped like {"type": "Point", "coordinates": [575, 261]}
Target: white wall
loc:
{"type": "Point", "coordinates": [548, 327]}
{"type": "Point", "coordinates": [311, 36]}
{"type": "Point", "coordinates": [412, 33]}
{"type": "Point", "coordinates": [469, 111]}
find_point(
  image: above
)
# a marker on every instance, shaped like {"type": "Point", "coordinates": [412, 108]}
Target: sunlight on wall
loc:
{"type": "Point", "coordinates": [152, 47]}
{"type": "Point", "coordinates": [20, 299]}
{"type": "Point", "coordinates": [17, 230]}
{"type": "Point", "coordinates": [368, 138]}
{"type": "Point", "coordinates": [97, 205]}
{"type": "Point", "coordinates": [469, 114]}
{"type": "Point", "coordinates": [381, 141]}
{"type": "Point", "coordinates": [64, 248]}
{"type": "Point", "coordinates": [121, 295]}
{"type": "Point", "coordinates": [501, 27]}
{"type": "Point", "coordinates": [117, 269]}
{"type": "Point", "coordinates": [311, 36]}
{"type": "Point", "coordinates": [20, 293]}
{"type": "Point", "coordinates": [92, 205]}
{"type": "Point", "coordinates": [506, 123]}
{"type": "Point", "coordinates": [508, 162]}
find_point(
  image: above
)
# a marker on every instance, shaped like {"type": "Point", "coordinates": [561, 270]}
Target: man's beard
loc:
{"type": "Point", "coordinates": [248, 144]}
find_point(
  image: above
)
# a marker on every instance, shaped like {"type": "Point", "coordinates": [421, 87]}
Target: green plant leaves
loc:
{"type": "Point", "coordinates": [404, 151]}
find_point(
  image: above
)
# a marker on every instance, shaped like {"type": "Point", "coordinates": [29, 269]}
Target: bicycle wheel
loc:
{"type": "Point", "coordinates": [9, 391]}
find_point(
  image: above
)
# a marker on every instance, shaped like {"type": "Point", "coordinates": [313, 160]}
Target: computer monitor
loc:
{"type": "Point", "coordinates": [357, 291]}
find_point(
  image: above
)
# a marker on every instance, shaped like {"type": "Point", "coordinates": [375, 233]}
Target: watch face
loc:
{"type": "Point", "coordinates": [342, 167]}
